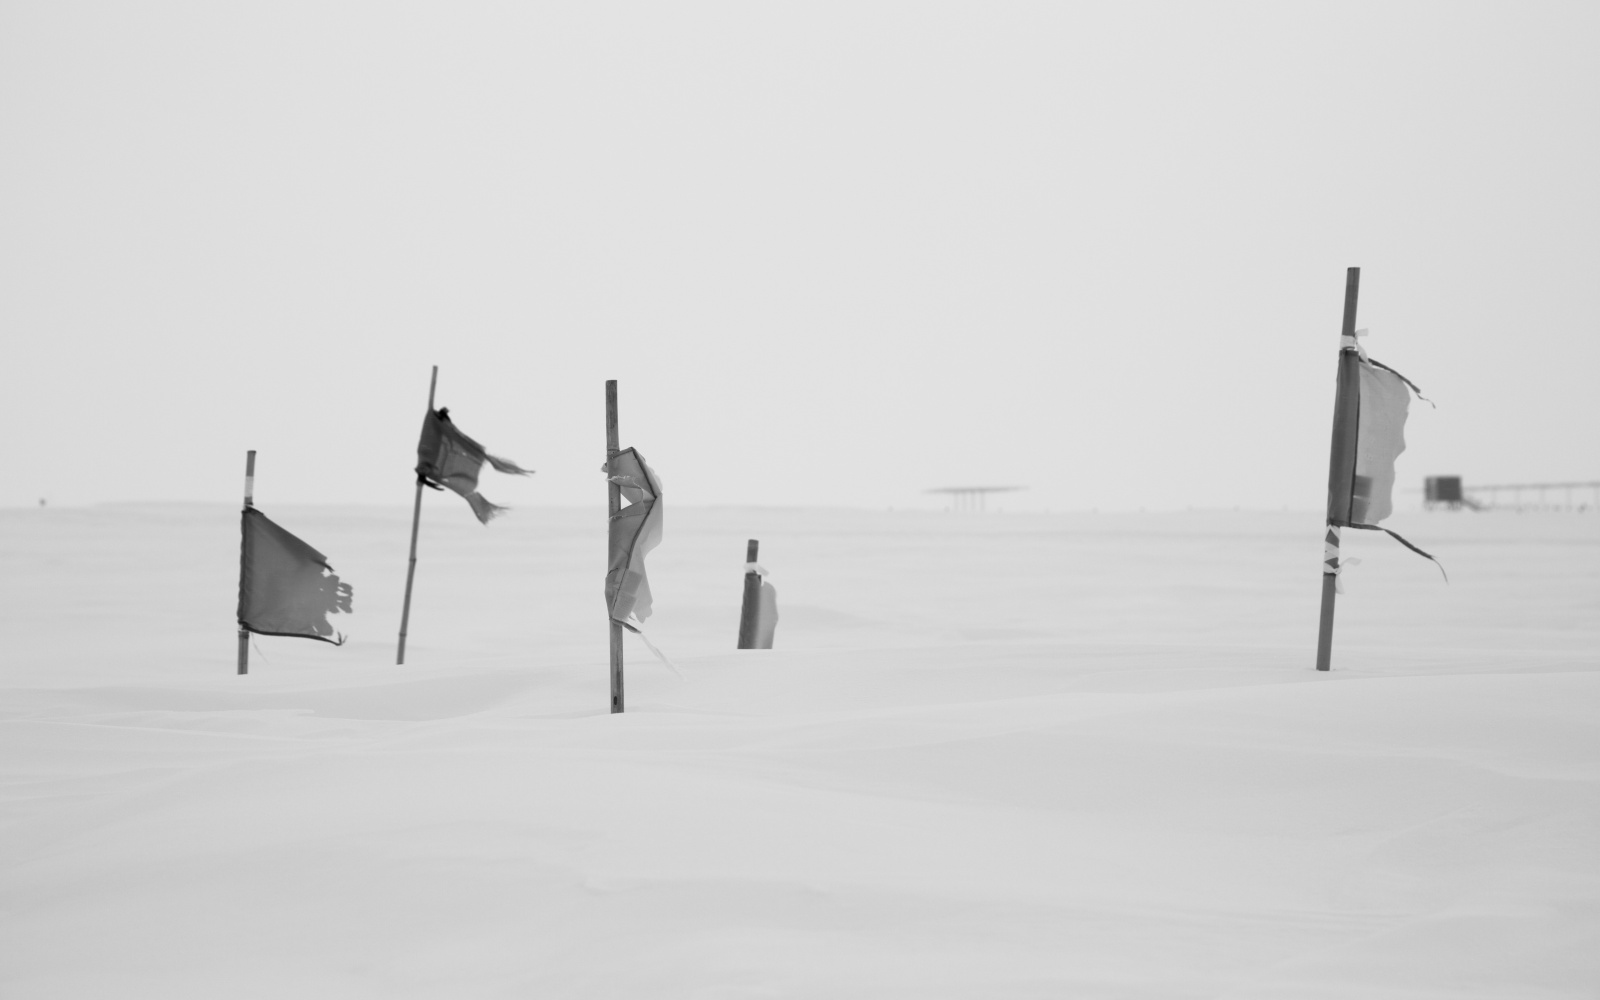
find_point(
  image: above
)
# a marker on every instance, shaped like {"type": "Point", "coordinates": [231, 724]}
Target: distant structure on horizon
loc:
{"type": "Point", "coordinates": [1453, 494]}
{"type": "Point", "coordinates": [1442, 490]}
{"type": "Point", "coordinates": [972, 498]}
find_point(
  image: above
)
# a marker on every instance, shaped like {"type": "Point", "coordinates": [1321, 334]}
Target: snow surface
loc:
{"type": "Point", "coordinates": [1006, 756]}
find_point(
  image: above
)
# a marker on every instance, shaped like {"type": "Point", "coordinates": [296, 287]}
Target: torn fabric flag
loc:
{"type": "Point", "coordinates": [635, 530]}
{"type": "Point", "coordinates": [1380, 438]}
{"type": "Point", "coordinates": [448, 459]}
{"type": "Point", "coordinates": [286, 587]}
{"type": "Point", "coordinates": [1382, 400]}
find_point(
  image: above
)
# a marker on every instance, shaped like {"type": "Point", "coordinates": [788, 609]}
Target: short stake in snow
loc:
{"type": "Point", "coordinates": [1369, 417]}
{"type": "Point", "coordinates": [758, 616]}
{"type": "Point", "coordinates": [286, 587]}
{"type": "Point", "coordinates": [447, 460]}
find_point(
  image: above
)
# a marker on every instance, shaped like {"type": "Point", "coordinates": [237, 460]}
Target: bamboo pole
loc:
{"type": "Point", "coordinates": [1341, 463]}
{"type": "Point", "coordinates": [416, 519]}
{"type": "Point", "coordinates": [613, 507]}
{"type": "Point", "coordinates": [750, 611]}
{"type": "Point", "coordinates": [249, 501]}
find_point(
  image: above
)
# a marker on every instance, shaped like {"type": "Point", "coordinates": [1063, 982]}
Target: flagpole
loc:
{"type": "Point", "coordinates": [613, 507]}
{"type": "Point", "coordinates": [249, 501]}
{"type": "Point", "coordinates": [416, 519]}
{"type": "Point", "coordinates": [1341, 464]}
{"type": "Point", "coordinates": [750, 611]}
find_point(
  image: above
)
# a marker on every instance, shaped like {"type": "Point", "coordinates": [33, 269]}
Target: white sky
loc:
{"type": "Point", "coordinates": [836, 254]}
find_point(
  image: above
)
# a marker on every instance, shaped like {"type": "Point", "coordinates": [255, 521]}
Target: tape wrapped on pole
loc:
{"type": "Point", "coordinates": [1353, 343]}
{"type": "Point", "coordinates": [1332, 563]}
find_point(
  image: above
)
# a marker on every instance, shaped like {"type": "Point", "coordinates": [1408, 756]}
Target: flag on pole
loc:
{"type": "Point", "coordinates": [1380, 438]}
{"type": "Point", "coordinates": [448, 459]}
{"type": "Point", "coordinates": [1382, 398]}
{"type": "Point", "coordinates": [635, 530]}
{"type": "Point", "coordinates": [286, 587]}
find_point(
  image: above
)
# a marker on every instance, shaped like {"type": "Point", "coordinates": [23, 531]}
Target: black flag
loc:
{"type": "Point", "coordinates": [286, 587]}
{"type": "Point", "coordinates": [448, 459]}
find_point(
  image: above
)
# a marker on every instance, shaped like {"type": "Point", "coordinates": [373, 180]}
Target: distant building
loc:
{"type": "Point", "coordinates": [1442, 489]}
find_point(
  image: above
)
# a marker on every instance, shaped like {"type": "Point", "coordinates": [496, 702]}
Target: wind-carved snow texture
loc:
{"type": "Point", "coordinates": [1004, 756]}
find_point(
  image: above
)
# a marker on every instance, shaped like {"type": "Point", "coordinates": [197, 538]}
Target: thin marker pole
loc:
{"type": "Point", "coordinates": [751, 609]}
{"type": "Point", "coordinates": [1341, 464]}
{"type": "Point", "coordinates": [416, 519]}
{"type": "Point", "coordinates": [249, 501]}
{"type": "Point", "coordinates": [613, 507]}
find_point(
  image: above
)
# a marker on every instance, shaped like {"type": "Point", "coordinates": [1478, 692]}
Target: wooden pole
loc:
{"type": "Point", "coordinates": [613, 507]}
{"type": "Point", "coordinates": [750, 612]}
{"type": "Point", "coordinates": [1341, 463]}
{"type": "Point", "coordinates": [249, 501]}
{"type": "Point", "coordinates": [416, 519]}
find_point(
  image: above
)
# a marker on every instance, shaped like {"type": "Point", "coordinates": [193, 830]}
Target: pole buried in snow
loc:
{"type": "Point", "coordinates": [411, 565]}
{"type": "Point", "coordinates": [249, 501]}
{"type": "Point", "coordinates": [613, 507]}
{"type": "Point", "coordinates": [1341, 464]}
{"type": "Point", "coordinates": [750, 612]}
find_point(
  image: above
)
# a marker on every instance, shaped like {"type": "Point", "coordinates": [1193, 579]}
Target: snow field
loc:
{"type": "Point", "coordinates": [1006, 756]}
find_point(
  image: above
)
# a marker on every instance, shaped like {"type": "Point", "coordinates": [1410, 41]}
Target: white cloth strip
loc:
{"type": "Point", "coordinates": [756, 568]}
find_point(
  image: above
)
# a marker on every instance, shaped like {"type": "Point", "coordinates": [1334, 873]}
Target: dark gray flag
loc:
{"type": "Point", "coordinates": [448, 459]}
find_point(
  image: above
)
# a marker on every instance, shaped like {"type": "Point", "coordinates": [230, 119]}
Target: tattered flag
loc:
{"type": "Point", "coordinates": [1380, 438]}
{"type": "Point", "coordinates": [635, 530]}
{"type": "Point", "coordinates": [286, 587]}
{"type": "Point", "coordinates": [1382, 397]}
{"type": "Point", "coordinates": [448, 459]}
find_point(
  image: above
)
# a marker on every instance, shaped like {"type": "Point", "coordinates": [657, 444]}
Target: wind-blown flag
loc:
{"type": "Point", "coordinates": [448, 459]}
{"type": "Point", "coordinates": [635, 530]}
{"type": "Point", "coordinates": [1380, 438]}
{"type": "Point", "coordinates": [286, 587]}
{"type": "Point", "coordinates": [1382, 398]}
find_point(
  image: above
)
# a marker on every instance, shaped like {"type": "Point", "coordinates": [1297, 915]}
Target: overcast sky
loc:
{"type": "Point", "coordinates": [834, 253]}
